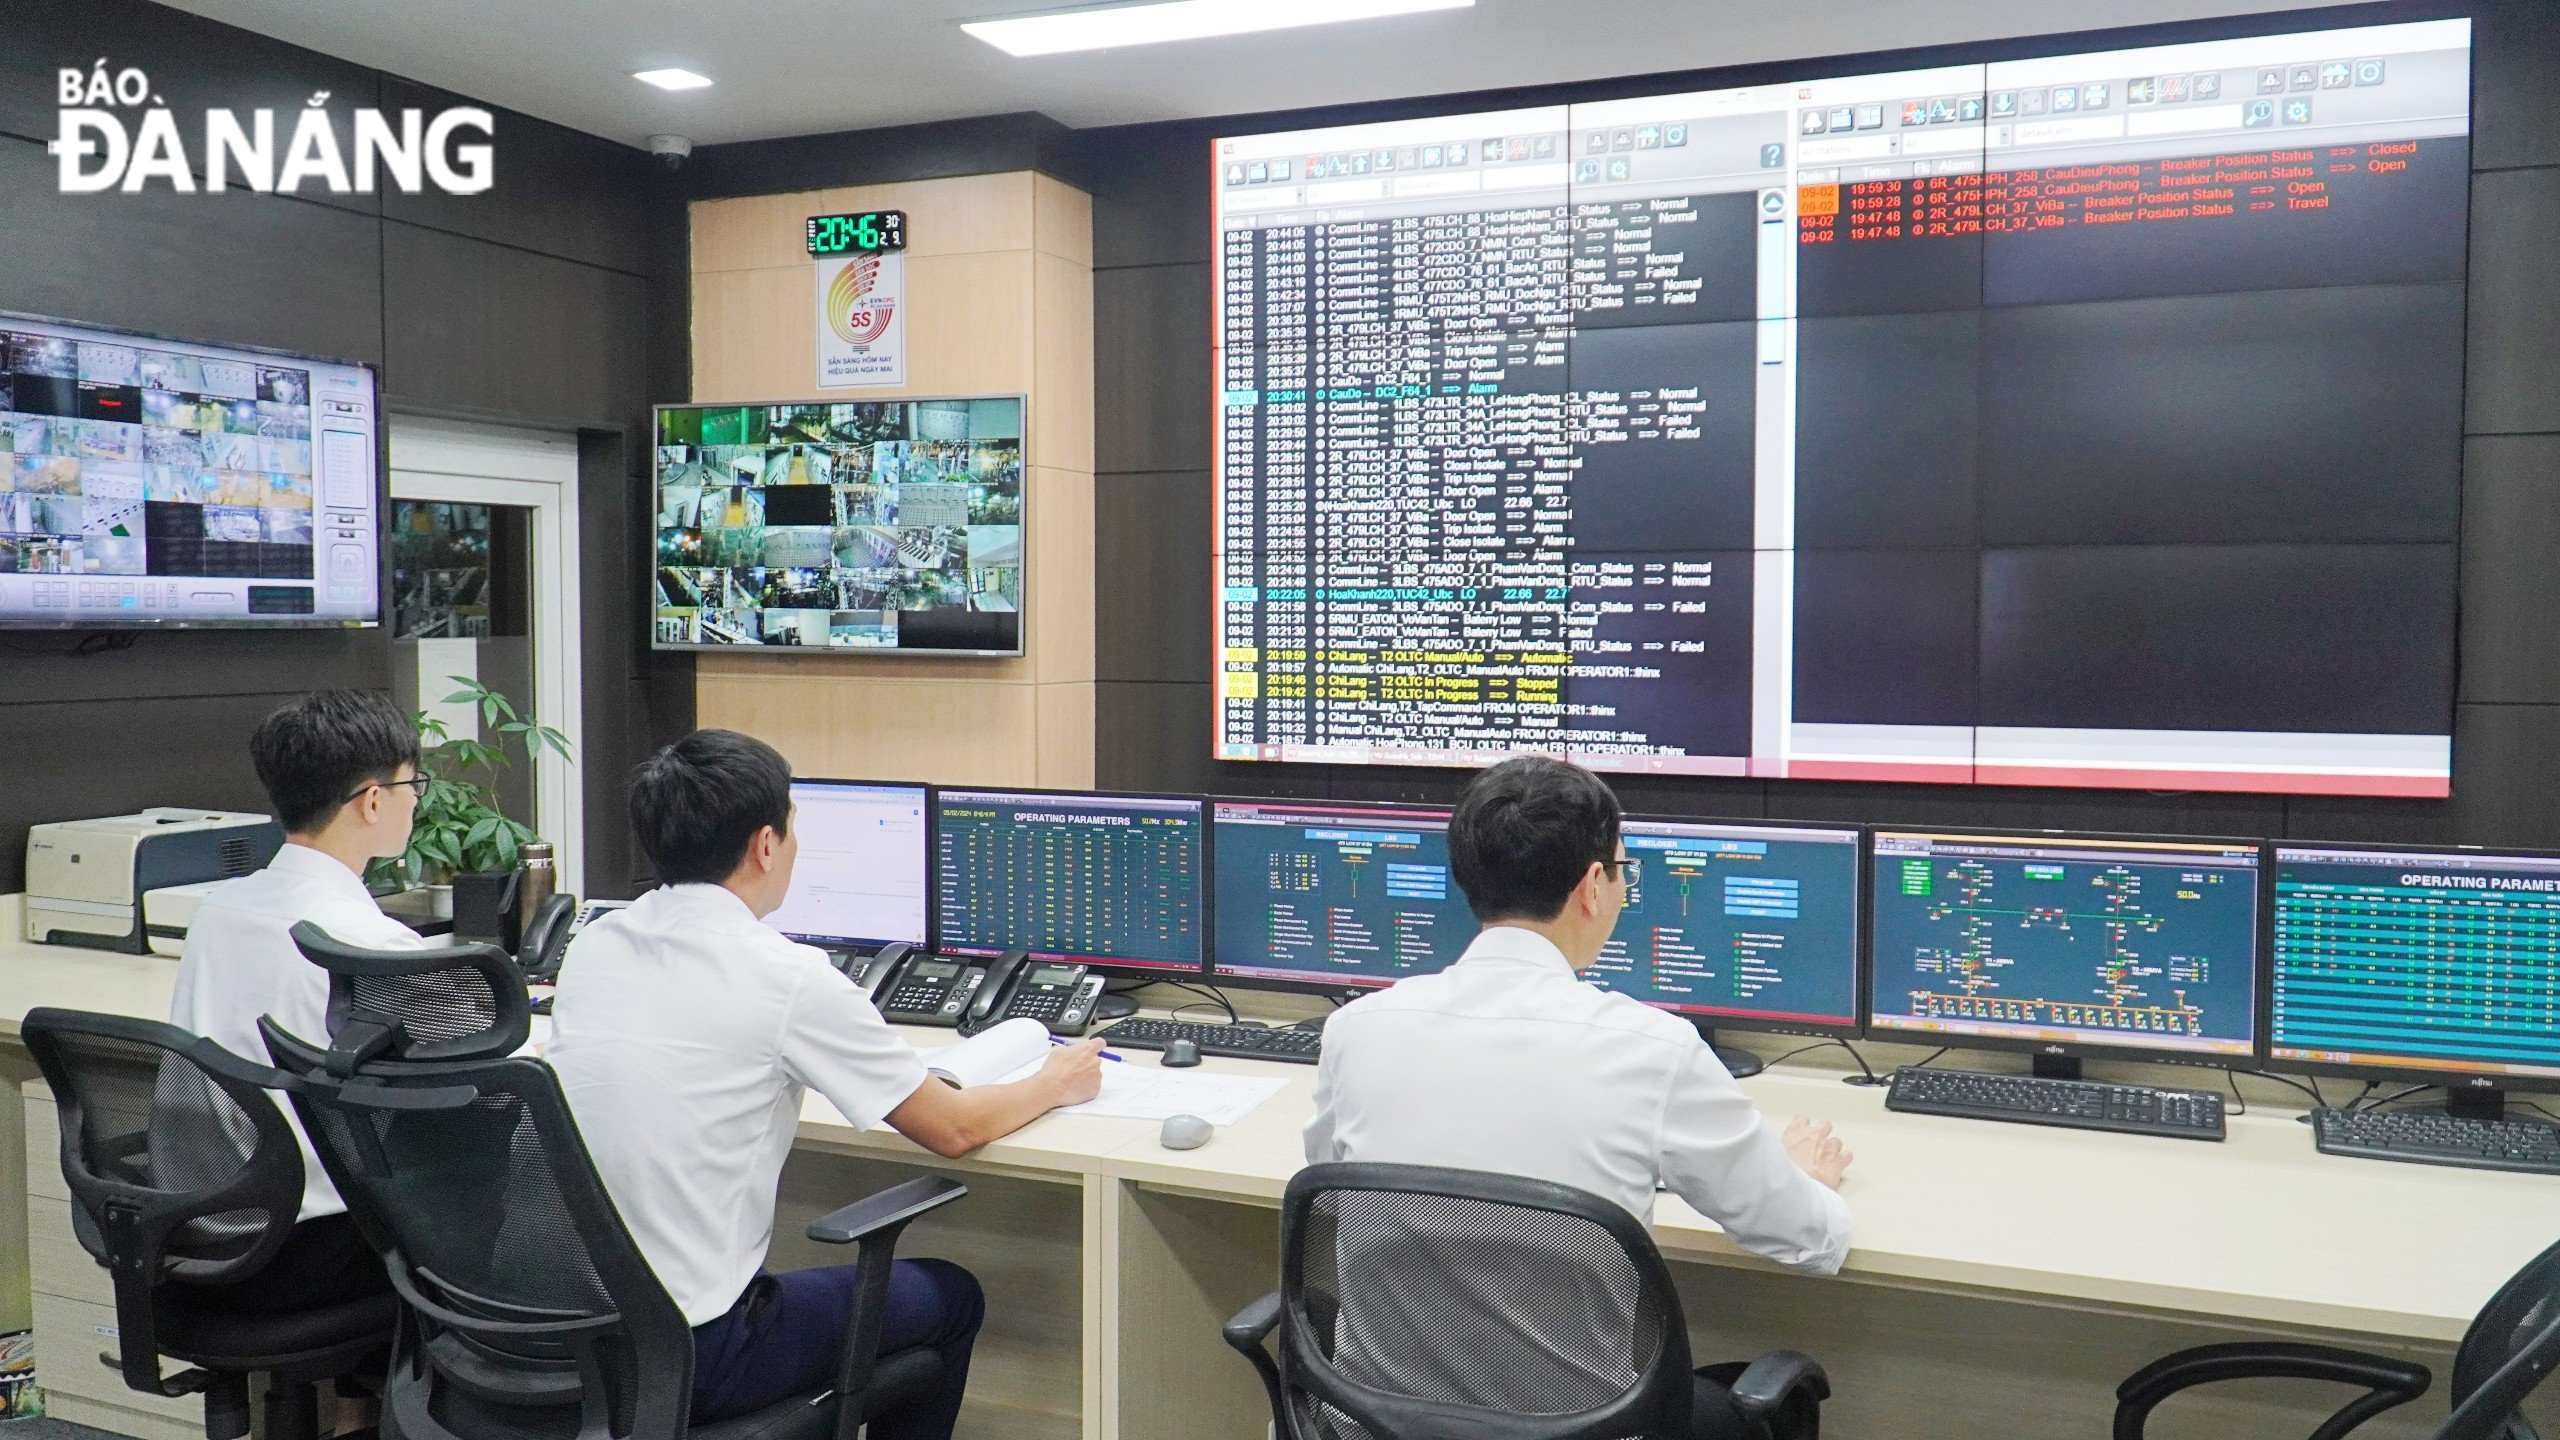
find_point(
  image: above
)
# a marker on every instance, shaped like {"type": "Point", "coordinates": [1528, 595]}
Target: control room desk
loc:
{"type": "Point", "coordinates": [2004, 1277]}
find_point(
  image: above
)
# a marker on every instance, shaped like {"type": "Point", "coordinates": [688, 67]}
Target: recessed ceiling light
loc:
{"type": "Point", "coordinates": [671, 79]}
{"type": "Point", "coordinates": [1054, 32]}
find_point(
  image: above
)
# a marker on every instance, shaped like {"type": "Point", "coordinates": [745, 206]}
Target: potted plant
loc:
{"type": "Point", "coordinates": [458, 828]}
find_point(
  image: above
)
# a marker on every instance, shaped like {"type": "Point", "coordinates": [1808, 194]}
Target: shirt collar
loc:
{"type": "Point", "coordinates": [303, 862]}
{"type": "Point", "coordinates": [720, 901]}
{"type": "Point", "coordinates": [1511, 945]}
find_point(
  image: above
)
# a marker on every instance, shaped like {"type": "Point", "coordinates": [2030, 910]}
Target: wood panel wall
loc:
{"type": "Point", "coordinates": [999, 282]}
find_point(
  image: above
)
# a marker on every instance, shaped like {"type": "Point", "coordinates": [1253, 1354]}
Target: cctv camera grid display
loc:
{"type": "Point", "coordinates": [126, 460]}
{"type": "Point", "coordinates": [879, 526]}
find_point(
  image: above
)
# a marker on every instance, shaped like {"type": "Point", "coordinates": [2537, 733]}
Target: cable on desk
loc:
{"type": "Point", "coordinates": [2312, 1089]}
{"type": "Point", "coordinates": [1209, 994]}
{"type": "Point", "coordinates": [2393, 1098]}
{"type": "Point", "coordinates": [2231, 1077]}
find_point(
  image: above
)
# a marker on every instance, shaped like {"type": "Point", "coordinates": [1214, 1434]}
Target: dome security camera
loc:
{"type": "Point", "coordinates": [671, 150]}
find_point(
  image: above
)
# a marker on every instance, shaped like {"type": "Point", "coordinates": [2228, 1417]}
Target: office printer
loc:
{"type": "Point", "coordinates": [86, 878]}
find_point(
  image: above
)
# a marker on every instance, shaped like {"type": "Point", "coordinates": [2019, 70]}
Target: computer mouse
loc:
{"type": "Point", "coordinates": [1181, 1054]}
{"type": "Point", "coordinates": [1184, 1132]}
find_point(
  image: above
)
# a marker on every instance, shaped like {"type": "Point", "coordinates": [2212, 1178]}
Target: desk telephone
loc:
{"type": "Point", "coordinates": [971, 995]}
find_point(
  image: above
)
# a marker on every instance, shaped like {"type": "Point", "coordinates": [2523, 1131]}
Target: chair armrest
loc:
{"type": "Point", "coordinates": [1246, 1331]}
{"type": "Point", "coordinates": [1254, 1323]}
{"type": "Point", "coordinates": [888, 1210]}
{"type": "Point", "coordinates": [874, 1224]}
{"type": "Point", "coordinates": [2388, 1382]}
{"type": "Point", "coordinates": [1775, 1378]}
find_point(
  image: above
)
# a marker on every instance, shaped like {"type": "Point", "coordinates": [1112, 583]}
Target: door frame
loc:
{"type": "Point", "coordinates": [536, 470]}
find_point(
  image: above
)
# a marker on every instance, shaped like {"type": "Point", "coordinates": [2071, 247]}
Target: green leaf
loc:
{"type": "Point", "coordinates": [506, 842]}
{"type": "Point", "coordinates": [457, 697]}
{"type": "Point", "coordinates": [488, 826]}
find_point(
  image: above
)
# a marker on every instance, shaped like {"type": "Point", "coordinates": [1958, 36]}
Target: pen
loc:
{"type": "Point", "coordinates": [1107, 1055]}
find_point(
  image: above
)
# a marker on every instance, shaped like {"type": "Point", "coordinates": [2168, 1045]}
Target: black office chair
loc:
{"type": "Point", "coordinates": [1418, 1303]}
{"type": "Point", "coordinates": [2512, 1344]}
{"type": "Point", "coordinates": [185, 1183]}
{"type": "Point", "coordinates": [529, 1311]}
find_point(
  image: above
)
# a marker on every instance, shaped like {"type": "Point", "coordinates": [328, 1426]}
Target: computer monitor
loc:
{"type": "Point", "coordinates": [1332, 897]}
{"type": "Point", "coordinates": [2065, 944]}
{"type": "Point", "coordinates": [1108, 880]}
{"type": "Point", "coordinates": [1748, 926]}
{"type": "Point", "coordinates": [860, 878]}
{"type": "Point", "coordinates": [2440, 966]}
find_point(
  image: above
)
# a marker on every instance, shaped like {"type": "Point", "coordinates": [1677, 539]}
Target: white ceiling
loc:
{"type": "Point", "coordinates": [798, 67]}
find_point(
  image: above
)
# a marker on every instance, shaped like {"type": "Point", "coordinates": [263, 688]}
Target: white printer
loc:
{"type": "Point", "coordinates": [86, 878]}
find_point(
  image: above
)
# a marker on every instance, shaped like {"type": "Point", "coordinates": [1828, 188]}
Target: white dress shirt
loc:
{"type": "Point", "coordinates": [240, 963]}
{"type": "Point", "coordinates": [1508, 1062]}
{"type": "Point", "coordinates": [685, 1032]}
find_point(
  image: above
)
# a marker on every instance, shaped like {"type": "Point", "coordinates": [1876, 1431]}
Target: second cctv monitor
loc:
{"type": "Point", "coordinates": [1113, 880]}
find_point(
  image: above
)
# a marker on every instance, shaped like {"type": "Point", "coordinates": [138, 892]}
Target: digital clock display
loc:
{"type": "Point", "coordinates": [871, 230]}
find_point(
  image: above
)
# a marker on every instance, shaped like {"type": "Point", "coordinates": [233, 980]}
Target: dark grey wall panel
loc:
{"type": "Point", "coordinates": [480, 328]}
{"type": "Point", "coordinates": [1151, 369]}
{"type": "Point", "coordinates": [79, 759]}
{"type": "Point", "coordinates": [2514, 374]}
{"type": "Point", "coordinates": [2506, 790]}
{"type": "Point", "coordinates": [235, 268]}
{"type": "Point", "coordinates": [2515, 77]}
{"type": "Point", "coordinates": [1161, 223]}
{"type": "Point", "coordinates": [557, 191]}
{"type": "Point", "coordinates": [1151, 577]}
{"type": "Point", "coordinates": [39, 668]}
{"type": "Point", "coordinates": [982, 145]}
{"type": "Point", "coordinates": [194, 64]}
{"type": "Point", "coordinates": [2511, 569]}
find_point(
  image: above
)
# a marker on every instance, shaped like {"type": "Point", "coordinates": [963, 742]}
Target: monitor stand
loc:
{"type": "Point", "coordinates": [1742, 1063]}
{"type": "Point", "coordinates": [2475, 1102]}
{"type": "Point", "coordinates": [1113, 1007]}
{"type": "Point", "coordinates": [2057, 1067]}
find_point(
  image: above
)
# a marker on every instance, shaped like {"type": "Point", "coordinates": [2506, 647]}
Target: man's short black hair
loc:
{"type": "Point", "coordinates": [316, 753]}
{"type": "Point", "coordinates": [1525, 833]}
{"type": "Point", "coordinates": [696, 804]}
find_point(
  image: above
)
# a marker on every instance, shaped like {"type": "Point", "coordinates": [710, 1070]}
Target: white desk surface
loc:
{"type": "Point", "coordinates": [2260, 1229]}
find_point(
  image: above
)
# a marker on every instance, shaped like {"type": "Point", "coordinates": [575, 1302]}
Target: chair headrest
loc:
{"type": "Point", "coordinates": [448, 1002]}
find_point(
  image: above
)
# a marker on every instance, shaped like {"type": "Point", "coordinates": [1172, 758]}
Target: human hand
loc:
{"type": "Point", "coordinates": [1816, 1151]}
{"type": "Point", "coordinates": [1073, 1073]}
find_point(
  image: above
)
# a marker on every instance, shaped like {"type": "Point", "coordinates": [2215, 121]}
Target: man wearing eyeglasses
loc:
{"type": "Point", "coordinates": [340, 768]}
{"type": "Point", "coordinates": [1509, 1062]}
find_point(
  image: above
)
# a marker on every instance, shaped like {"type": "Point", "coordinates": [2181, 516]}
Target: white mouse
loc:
{"type": "Point", "coordinates": [1184, 1132]}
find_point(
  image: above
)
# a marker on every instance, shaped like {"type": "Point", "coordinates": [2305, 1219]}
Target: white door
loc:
{"type": "Point", "coordinates": [485, 584]}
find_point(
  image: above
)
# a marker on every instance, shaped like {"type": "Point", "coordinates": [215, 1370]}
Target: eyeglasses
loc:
{"type": "Point", "coordinates": [1624, 868]}
{"type": "Point", "coordinates": [415, 785]}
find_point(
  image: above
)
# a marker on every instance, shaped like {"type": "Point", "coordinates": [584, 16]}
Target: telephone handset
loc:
{"type": "Point", "coordinates": [1056, 993]}
{"type": "Point", "coordinates": [546, 935]}
{"type": "Point", "coordinates": [871, 972]}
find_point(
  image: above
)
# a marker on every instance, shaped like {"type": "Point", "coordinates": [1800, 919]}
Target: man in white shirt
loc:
{"type": "Point", "coordinates": [685, 1033]}
{"type": "Point", "coordinates": [340, 768]}
{"type": "Point", "coordinates": [1508, 1061]}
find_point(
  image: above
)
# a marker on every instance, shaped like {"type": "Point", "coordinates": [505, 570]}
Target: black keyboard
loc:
{"type": "Point", "coordinates": [2080, 1104]}
{"type": "Point", "coordinates": [1242, 1042]}
{"type": "Point", "coordinates": [2432, 1138]}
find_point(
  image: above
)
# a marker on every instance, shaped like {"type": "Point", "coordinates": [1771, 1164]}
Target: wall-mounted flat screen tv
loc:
{"type": "Point", "coordinates": [860, 528]}
{"type": "Point", "coordinates": [147, 482]}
